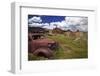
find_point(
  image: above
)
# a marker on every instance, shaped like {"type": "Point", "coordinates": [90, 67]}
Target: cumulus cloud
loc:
{"type": "Point", "coordinates": [77, 23]}
{"type": "Point", "coordinates": [84, 21]}
{"type": "Point", "coordinates": [38, 24]}
{"type": "Point", "coordinates": [34, 19]}
{"type": "Point", "coordinates": [73, 20]}
{"type": "Point", "coordinates": [83, 28]}
{"type": "Point", "coordinates": [49, 26]}
{"type": "Point", "coordinates": [70, 23]}
{"type": "Point", "coordinates": [59, 24]}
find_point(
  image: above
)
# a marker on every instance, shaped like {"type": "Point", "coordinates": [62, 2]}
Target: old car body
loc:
{"type": "Point", "coordinates": [39, 45]}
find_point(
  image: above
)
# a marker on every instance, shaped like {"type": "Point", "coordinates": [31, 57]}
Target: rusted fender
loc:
{"type": "Point", "coordinates": [45, 52]}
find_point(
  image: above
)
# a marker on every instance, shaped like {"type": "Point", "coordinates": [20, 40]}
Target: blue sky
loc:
{"type": "Point", "coordinates": [64, 22]}
{"type": "Point", "coordinates": [48, 19]}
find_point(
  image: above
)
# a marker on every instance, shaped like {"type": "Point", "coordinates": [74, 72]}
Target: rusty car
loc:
{"type": "Point", "coordinates": [39, 45]}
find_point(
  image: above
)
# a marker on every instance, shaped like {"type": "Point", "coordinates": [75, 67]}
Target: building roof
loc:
{"type": "Point", "coordinates": [36, 30]}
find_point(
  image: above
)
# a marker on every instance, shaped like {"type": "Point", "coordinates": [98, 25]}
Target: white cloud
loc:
{"type": "Point", "coordinates": [80, 23]}
{"type": "Point", "coordinates": [38, 24]}
{"type": "Point", "coordinates": [34, 19]}
{"type": "Point", "coordinates": [73, 20]}
{"type": "Point", "coordinates": [84, 21]}
{"type": "Point", "coordinates": [72, 23]}
{"type": "Point", "coordinates": [35, 25]}
{"type": "Point", "coordinates": [49, 26]}
{"type": "Point", "coordinates": [83, 28]}
{"type": "Point", "coordinates": [59, 24]}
